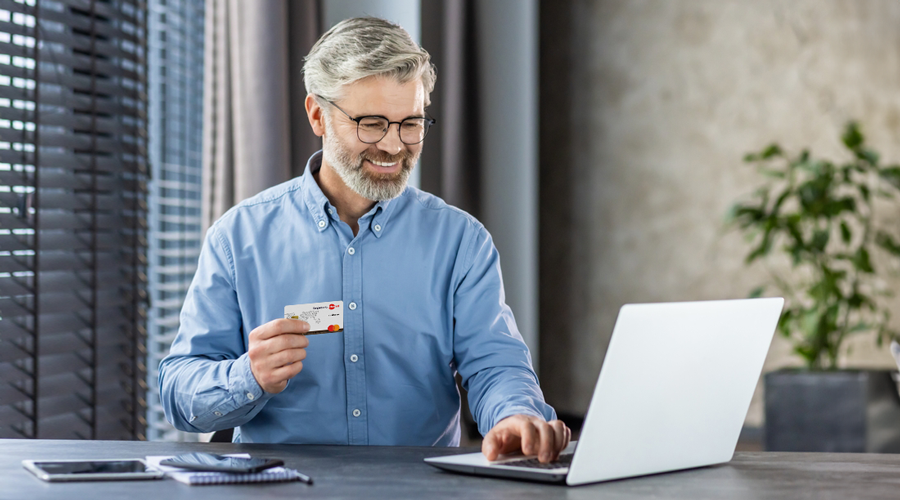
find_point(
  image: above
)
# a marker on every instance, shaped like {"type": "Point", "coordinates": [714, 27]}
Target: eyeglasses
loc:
{"type": "Point", "coordinates": [372, 129]}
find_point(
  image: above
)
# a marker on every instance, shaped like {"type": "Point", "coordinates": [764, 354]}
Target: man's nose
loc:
{"type": "Point", "coordinates": [391, 142]}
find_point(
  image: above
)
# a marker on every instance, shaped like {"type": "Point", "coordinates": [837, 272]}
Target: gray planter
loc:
{"type": "Point", "coordinates": [838, 411]}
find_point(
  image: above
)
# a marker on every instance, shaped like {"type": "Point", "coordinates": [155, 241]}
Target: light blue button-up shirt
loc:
{"type": "Point", "coordinates": [423, 300]}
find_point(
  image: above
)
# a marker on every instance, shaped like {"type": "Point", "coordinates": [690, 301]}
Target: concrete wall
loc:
{"type": "Point", "coordinates": [647, 108]}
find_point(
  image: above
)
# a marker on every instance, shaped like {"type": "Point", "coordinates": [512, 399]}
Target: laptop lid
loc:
{"type": "Point", "coordinates": [674, 388]}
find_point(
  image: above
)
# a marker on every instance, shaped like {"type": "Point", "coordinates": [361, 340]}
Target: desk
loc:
{"type": "Point", "coordinates": [366, 473]}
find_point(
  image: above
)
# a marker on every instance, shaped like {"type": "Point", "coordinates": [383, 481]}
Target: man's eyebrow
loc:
{"type": "Point", "coordinates": [388, 119]}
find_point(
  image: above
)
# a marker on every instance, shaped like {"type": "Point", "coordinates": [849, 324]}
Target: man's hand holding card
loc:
{"type": "Point", "coordinates": [277, 349]}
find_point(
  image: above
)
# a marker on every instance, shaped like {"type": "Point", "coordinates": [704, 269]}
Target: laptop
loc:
{"type": "Point", "coordinates": [672, 394]}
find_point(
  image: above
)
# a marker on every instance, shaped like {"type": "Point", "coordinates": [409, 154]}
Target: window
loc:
{"type": "Point", "coordinates": [175, 46]}
{"type": "Point", "coordinates": [73, 229]}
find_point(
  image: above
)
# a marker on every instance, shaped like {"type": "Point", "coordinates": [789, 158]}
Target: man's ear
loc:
{"type": "Point", "coordinates": [316, 115]}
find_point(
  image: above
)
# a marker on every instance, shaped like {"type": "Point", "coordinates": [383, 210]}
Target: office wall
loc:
{"type": "Point", "coordinates": [647, 108]}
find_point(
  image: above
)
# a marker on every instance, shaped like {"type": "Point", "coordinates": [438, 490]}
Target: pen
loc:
{"type": "Point", "coordinates": [303, 477]}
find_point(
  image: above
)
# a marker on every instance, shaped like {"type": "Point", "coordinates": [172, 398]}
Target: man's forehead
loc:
{"type": "Point", "coordinates": [386, 96]}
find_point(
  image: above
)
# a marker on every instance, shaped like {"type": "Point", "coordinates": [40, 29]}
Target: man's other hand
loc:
{"type": "Point", "coordinates": [532, 435]}
{"type": "Point", "coordinates": [277, 350]}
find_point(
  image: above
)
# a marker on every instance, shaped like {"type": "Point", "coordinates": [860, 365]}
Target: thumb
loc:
{"type": "Point", "coordinates": [489, 447]}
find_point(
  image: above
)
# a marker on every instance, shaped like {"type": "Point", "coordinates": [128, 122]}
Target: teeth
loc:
{"type": "Point", "coordinates": [381, 164]}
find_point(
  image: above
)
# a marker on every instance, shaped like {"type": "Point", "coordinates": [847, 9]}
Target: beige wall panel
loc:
{"type": "Point", "coordinates": [664, 99]}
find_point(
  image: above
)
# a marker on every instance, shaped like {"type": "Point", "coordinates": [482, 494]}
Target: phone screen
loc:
{"type": "Point", "coordinates": [208, 461]}
{"type": "Point", "coordinates": [105, 467]}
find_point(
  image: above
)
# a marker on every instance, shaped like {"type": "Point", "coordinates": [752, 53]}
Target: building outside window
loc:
{"type": "Point", "coordinates": [175, 46]}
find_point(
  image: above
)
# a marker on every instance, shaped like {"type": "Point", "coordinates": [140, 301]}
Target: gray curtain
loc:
{"type": "Point", "coordinates": [255, 132]}
{"type": "Point", "coordinates": [451, 157]}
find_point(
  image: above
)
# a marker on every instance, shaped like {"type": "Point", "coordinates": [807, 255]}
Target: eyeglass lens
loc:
{"type": "Point", "coordinates": [412, 130]}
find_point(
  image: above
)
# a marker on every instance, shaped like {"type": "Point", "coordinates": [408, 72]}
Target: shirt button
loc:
{"type": "Point", "coordinates": [377, 227]}
{"type": "Point", "coordinates": [217, 413]}
{"type": "Point", "coordinates": [352, 306]}
{"type": "Point", "coordinates": [354, 358]}
{"type": "Point", "coordinates": [193, 418]}
{"type": "Point", "coordinates": [351, 251]}
{"type": "Point", "coordinates": [322, 223]}
{"type": "Point", "coordinates": [250, 396]}
{"type": "Point", "coordinates": [356, 413]}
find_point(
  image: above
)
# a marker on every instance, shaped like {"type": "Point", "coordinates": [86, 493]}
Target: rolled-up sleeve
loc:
{"type": "Point", "coordinates": [205, 382]}
{"type": "Point", "coordinates": [491, 357]}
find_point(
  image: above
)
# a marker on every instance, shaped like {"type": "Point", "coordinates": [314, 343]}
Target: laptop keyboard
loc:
{"type": "Point", "coordinates": [533, 463]}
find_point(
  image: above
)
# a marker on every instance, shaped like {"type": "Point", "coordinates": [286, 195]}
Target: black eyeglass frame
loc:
{"type": "Point", "coordinates": [428, 120]}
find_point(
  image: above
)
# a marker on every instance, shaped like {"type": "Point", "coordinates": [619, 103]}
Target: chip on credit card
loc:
{"type": "Point", "coordinates": [323, 317]}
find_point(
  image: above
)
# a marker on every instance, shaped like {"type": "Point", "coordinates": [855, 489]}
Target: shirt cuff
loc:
{"type": "Point", "coordinates": [244, 387]}
{"type": "Point", "coordinates": [517, 410]}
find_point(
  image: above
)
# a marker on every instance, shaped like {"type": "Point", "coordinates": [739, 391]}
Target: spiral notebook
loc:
{"type": "Point", "coordinates": [273, 475]}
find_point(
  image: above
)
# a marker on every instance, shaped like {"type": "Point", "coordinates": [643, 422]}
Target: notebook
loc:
{"type": "Point", "coordinates": [672, 394]}
{"type": "Point", "coordinates": [273, 475]}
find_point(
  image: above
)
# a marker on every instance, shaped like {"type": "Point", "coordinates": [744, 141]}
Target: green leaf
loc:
{"type": "Point", "coordinates": [775, 174]}
{"type": "Point", "coordinates": [760, 251]}
{"type": "Point", "coordinates": [757, 292]}
{"type": "Point", "coordinates": [780, 200]}
{"type": "Point", "coordinates": [868, 156]}
{"type": "Point", "coordinates": [887, 242]}
{"type": "Point", "coordinates": [745, 216]}
{"type": "Point", "coordinates": [891, 175]}
{"type": "Point", "coordinates": [864, 192]}
{"type": "Point", "coordinates": [820, 240]}
{"type": "Point", "coordinates": [771, 151]}
{"type": "Point", "coordinates": [845, 232]}
{"type": "Point", "coordinates": [862, 326]}
{"type": "Point", "coordinates": [835, 207]}
{"type": "Point", "coordinates": [809, 354]}
{"type": "Point", "coordinates": [852, 137]}
{"type": "Point", "coordinates": [861, 261]}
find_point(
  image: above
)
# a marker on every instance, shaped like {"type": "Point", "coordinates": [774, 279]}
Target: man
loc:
{"type": "Point", "coordinates": [419, 280]}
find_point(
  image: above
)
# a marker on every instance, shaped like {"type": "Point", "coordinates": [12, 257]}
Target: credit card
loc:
{"type": "Point", "coordinates": [323, 317]}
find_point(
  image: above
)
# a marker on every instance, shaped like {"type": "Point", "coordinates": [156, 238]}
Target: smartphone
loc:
{"type": "Point", "coordinates": [210, 462]}
{"type": "Point", "coordinates": [91, 470]}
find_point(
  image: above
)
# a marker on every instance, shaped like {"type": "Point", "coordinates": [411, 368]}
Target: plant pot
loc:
{"type": "Point", "coordinates": [832, 411]}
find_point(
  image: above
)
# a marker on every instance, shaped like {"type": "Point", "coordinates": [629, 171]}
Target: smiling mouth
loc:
{"type": "Point", "coordinates": [382, 163]}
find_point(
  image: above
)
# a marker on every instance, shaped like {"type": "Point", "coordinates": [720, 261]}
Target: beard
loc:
{"type": "Point", "coordinates": [375, 186]}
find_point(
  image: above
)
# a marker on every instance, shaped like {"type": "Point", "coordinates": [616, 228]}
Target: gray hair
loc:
{"type": "Point", "coordinates": [362, 47]}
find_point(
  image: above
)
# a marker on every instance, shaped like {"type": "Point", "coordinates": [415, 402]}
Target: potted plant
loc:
{"type": "Point", "coordinates": [812, 223]}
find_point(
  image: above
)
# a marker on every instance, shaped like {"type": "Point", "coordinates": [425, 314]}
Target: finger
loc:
{"type": "Point", "coordinates": [559, 431]}
{"type": "Point", "coordinates": [490, 446]}
{"type": "Point", "coordinates": [294, 326]}
{"type": "Point", "coordinates": [275, 380]}
{"type": "Point", "coordinates": [286, 341]}
{"type": "Point", "coordinates": [499, 441]}
{"type": "Point", "coordinates": [284, 358]}
{"type": "Point", "coordinates": [546, 442]}
{"type": "Point", "coordinates": [278, 327]}
{"type": "Point", "coordinates": [262, 361]}
{"type": "Point", "coordinates": [287, 372]}
{"type": "Point", "coordinates": [529, 437]}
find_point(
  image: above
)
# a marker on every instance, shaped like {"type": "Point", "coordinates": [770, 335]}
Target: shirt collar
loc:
{"type": "Point", "coordinates": [377, 218]}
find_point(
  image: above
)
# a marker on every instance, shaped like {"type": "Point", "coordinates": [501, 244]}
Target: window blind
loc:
{"type": "Point", "coordinates": [73, 203]}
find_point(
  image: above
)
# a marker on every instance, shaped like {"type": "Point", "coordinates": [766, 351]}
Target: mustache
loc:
{"type": "Point", "coordinates": [383, 157]}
